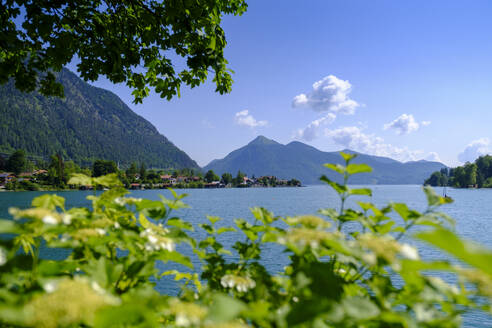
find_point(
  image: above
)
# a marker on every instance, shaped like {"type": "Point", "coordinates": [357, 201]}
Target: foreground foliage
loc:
{"type": "Point", "coordinates": [344, 268]}
{"type": "Point", "coordinates": [146, 44]}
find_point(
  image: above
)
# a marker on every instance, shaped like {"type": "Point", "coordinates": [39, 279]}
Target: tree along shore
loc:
{"type": "Point", "coordinates": [17, 173]}
{"type": "Point", "coordinates": [470, 175]}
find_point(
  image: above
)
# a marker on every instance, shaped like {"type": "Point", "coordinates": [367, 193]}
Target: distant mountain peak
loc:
{"type": "Point", "coordinates": [262, 140]}
{"type": "Point", "coordinates": [264, 156]}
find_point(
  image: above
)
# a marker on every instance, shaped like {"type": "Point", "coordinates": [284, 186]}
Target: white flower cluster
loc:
{"type": "Point", "coordinates": [157, 242]}
{"type": "Point", "coordinates": [100, 231]}
{"type": "Point", "coordinates": [50, 286]}
{"type": "Point", "coordinates": [183, 320]}
{"type": "Point", "coordinates": [242, 284]}
{"type": "Point", "coordinates": [409, 252]}
{"type": "Point", "coordinates": [66, 219]}
{"type": "Point", "coordinates": [187, 314]}
{"type": "Point", "coordinates": [49, 219]}
{"type": "Point", "coordinates": [120, 201]}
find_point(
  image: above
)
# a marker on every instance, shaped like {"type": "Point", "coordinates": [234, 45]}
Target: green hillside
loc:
{"type": "Point", "coordinates": [297, 160]}
{"type": "Point", "coordinates": [89, 123]}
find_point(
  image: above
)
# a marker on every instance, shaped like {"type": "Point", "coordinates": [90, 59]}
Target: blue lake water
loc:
{"type": "Point", "coordinates": [472, 211]}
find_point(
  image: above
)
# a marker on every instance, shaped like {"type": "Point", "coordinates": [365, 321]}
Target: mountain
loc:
{"type": "Point", "coordinates": [263, 156]}
{"type": "Point", "coordinates": [89, 123]}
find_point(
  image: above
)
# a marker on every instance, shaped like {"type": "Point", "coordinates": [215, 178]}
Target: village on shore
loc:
{"type": "Point", "coordinates": [18, 173]}
{"type": "Point", "coordinates": [11, 181]}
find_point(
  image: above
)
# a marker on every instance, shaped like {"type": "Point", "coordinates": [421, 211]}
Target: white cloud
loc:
{"type": "Point", "coordinates": [405, 124]}
{"type": "Point", "coordinates": [433, 157]}
{"type": "Point", "coordinates": [328, 95]}
{"type": "Point", "coordinates": [475, 149]}
{"type": "Point", "coordinates": [311, 131]}
{"type": "Point", "coordinates": [244, 118]}
{"type": "Point", "coordinates": [354, 138]}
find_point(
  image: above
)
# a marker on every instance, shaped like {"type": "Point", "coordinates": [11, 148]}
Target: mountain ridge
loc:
{"type": "Point", "coordinates": [89, 123]}
{"type": "Point", "coordinates": [264, 156]}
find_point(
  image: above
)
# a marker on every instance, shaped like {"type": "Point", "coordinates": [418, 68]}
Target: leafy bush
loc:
{"type": "Point", "coordinates": [364, 278]}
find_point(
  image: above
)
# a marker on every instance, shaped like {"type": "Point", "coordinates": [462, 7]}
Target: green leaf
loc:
{"type": "Point", "coordinates": [405, 213]}
{"type": "Point", "coordinates": [175, 195]}
{"type": "Point", "coordinates": [152, 208]}
{"type": "Point", "coordinates": [80, 180]}
{"type": "Point", "coordinates": [468, 252]}
{"type": "Point", "coordinates": [109, 180]}
{"type": "Point", "coordinates": [173, 204]}
{"type": "Point", "coordinates": [336, 167]}
{"type": "Point", "coordinates": [434, 199]}
{"type": "Point", "coordinates": [126, 315]}
{"type": "Point", "coordinates": [360, 191]}
{"type": "Point", "coordinates": [211, 44]}
{"type": "Point", "coordinates": [225, 308]}
{"type": "Point", "coordinates": [340, 189]}
{"type": "Point", "coordinates": [178, 275]}
{"type": "Point", "coordinates": [418, 265]}
{"type": "Point", "coordinates": [250, 234]}
{"type": "Point", "coordinates": [50, 202]}
{"type": "Point", "coordinates": [225, 229]}
{"type": "Point", "coordinates": [384, 228]}
{"type": "Point", "coordinates": [329, 212]}
{"type": "Point", "coordinates": [358, 168]}
{"type": "Point", "coordinates": [261, 214]}
{"type": "Point", "coordinates": [166, 256]}
{"type": "Point", "coordinates": [360, 308]}
{"type": "Point", "coordinates": [365, 206]}
{"type": "Point", "coordinates": [178, 223]}
{"type": "Point", "coordinates": [213, 219]}
{"type": "Point", "coordinates": [143, 221]}
{"type": "Point", "coordinates": [347, 157]}
{"type": "Point", "coordinates": [9, 226]}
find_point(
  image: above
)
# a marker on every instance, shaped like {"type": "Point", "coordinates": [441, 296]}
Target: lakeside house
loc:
{"type": "Point", "coordinates": [6, 178]}
{"type": "Point", "coordinates": [215, 184]}
{"type": "Point", "coordinates": [40, 172]}
{"type": "Point", "coordinates": [135, 186]}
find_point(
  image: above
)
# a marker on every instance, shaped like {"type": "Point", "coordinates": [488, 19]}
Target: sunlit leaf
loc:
{"type": "Point", "coordinates": [358, 168]}
{"type": "Point", "coordinates": [80, 179]}
{"type": "Point", "coordinates": [109, 180]}
{"type": "Point", "coordinates": [433, 199]}
{"type": "Point", "coordinates": [50, 202]}
{"type": "Point", "coordinates": [360, 191]}
{"type": "Point", "coordinates": [347, 157]}
{"type": "Point", "coordinates": [340, 189]}
{"type": "Point", "coordinates": [466, 251]}
{"type": "Point", "coordinates": [336, 167]}
{"type": "Point", "coordinates": [178, 223]}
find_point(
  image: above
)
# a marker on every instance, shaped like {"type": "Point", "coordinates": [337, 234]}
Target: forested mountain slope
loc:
{"type": "Point", "coordinates": [89, 123]}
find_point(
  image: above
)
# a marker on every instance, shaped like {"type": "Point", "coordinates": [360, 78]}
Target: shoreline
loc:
{"type": "Point", "coordinates": [131, 189]}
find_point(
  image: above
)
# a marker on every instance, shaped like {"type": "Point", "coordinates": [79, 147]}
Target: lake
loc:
{"type": "Point", "coordinates": [472, 211]}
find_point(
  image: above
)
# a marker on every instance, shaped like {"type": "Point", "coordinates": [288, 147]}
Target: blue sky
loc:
{"type": "Point", "coordinates": [405, 79]}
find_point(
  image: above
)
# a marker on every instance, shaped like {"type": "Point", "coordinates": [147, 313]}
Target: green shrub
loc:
{"type": "Point", "coordinates": [28, 185]}
{"type": "Point", "coordinates": [333, 278]}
